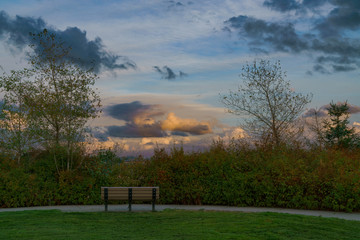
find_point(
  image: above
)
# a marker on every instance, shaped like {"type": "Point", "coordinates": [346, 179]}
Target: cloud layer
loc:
{"type": "Point", "coordinates": [86, 53]}
{"type": "Point", "coordinates": [323, 112]}
{"type": "Point", "coordinates": [333, 38]}
{"type": "Point", "coordinates": [144, 120]}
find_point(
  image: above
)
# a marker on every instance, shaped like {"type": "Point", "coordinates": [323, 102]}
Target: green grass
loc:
{"type": "Point", "coordinates": [172, 224]}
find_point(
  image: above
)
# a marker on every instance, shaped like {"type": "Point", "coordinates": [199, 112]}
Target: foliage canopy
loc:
{"type": "Point", "coordinates": [268, 103]}
{"type": "Point", "coordinates": [336, 130]}
{"type": "Point", "coordinates": [55, 96]}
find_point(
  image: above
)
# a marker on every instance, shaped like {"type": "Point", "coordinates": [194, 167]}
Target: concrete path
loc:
{"type": "Point", "coordinates": [147, 207]}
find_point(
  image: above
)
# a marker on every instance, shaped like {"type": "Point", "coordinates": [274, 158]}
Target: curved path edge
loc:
{"type": "Point", "coordinates": [147, 207]}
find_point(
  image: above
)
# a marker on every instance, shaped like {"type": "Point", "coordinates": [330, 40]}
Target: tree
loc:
{"type": "Point", "coordinates": [267, 102]}
{"type": "Point", "coordinates": [16, 134]}
{"type": "Point", "coordinates": [59, 97]}
{"type": "Point", "coordinates": [336, 131]}
{"type": "Point", "coordinates": [315, 136]}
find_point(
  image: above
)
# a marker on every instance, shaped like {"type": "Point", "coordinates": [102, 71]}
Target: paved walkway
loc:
{"type": "Point", "coordinates": [147, 207]}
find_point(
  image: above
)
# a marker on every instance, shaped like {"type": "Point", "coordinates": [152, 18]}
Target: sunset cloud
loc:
{"type": "Point", "coordinates": [356, 126]}
{"type": "Point", "coordinates": [186, 54]}
{"type": "Point", "coordinates": [131, 130]}
{"type": "Point", "coordinates": [323, 112]}
{"type": "Point", "coordinates": [192, 126]}
{"type": "Point", "coordinates": [147, 120]}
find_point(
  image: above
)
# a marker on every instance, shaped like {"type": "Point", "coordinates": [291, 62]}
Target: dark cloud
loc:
{"type": "Point", "coordinates": [168, 74]}
{"type": "Point", "coordinates": [341, 54]}
{"type": "Point", "coordinates": [290, 5]}
{"type": "Point", "coordinates": [280, 37]}
{"type": "Point", "coordinates": [131, 111]}
{"type": "Point", "coordinates": [341, 68]}
{"type": "Point", "coordinates": [182, 74]}
{"type": "Point", "coordinates": [282, 5]}
{"type": "Point", "coordinates": [321, 69]}
{"type": "Point", "coordinates": [334, 59]}
{"type": "Point", "coordinates": [86, 53]}
{"type": "Point", "coordinates": [199, 129]}
{"type": "Point", "coordinates": [313, 4]}
{"type": "Point", "coordinates": [178, 4]}
{"type": "Point", "coordinates": [182, 134]}
{"type": "Point", "coordinates": [340, 48]}
{"type": "Point", "coordinates": [131, 130]}
{"type": "Point", "coordinates": [344, 16]}
{"type": "Point", "coordinates": [338, 52]}
{"type": "Point", "coordinates": [141, 121]}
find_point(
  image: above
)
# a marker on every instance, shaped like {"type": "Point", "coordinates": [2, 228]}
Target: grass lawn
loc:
{"type": "Point", "coordinates": [172, 224]}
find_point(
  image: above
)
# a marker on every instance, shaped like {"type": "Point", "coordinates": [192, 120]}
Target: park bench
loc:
{"type": "Point", "coordinates": [130, 194]}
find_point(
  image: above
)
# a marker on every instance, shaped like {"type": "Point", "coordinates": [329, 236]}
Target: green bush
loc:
{"type": "Point", "coordinates": [234, 175]}
{"type": "Point", "coordinates": [37, 182]}
{"type": "Point", "coordinates": [238, 176]}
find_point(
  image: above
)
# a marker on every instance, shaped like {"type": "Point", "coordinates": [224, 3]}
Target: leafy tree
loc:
{"type": "Point", "coordinates": [267, 102]}
{"type": "Point", "coordinates": [16, 135]}
{"type": "Point", "coordinates": [336, 131]}
{"type": "Point", "coordinates": [59, 97]}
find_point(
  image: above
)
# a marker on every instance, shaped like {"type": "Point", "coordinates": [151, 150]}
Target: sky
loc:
{"type": "Point", "coordinates": [162, 65]}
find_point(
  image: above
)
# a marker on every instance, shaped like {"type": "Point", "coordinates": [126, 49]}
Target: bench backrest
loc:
{"type": "Point", "coordinates": [122, 193]}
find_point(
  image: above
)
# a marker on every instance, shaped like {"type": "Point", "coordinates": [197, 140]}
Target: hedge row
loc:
{"type": "Point", "coordinates": [38, 183]}
{"type": "Point", "coordinates": [234, 176]}
{"type": "Point", "coordinates": [290, 178]}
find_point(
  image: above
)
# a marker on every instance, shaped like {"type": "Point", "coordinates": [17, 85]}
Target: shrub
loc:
{"type": "Point", "coordinates": [234, 175]}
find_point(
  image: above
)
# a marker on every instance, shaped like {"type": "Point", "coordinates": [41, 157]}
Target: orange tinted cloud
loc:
{"type": "Point", "coordinates": [192, 126]}
{"type": "Point", "coordinates": [147, 120]}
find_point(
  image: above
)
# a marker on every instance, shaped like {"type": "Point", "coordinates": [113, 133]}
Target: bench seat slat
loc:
{"type": "Point", "coordinates": [126, 193]}
{"type": "Point", "coordinates": [137, 194]}
{"type": "Point", "coordinates": [134, 197]}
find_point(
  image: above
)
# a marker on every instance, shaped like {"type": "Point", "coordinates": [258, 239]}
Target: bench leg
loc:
{"type": "Point", "coordinates": [106, 197]}
{"type": "Point", "coordinates": [153, 199]}
{"type": "Point", "coordinates": [130, 198]}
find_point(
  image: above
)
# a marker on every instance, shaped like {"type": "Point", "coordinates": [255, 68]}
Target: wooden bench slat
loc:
{"type": "Point", "coordinates": [134, 193]}
{"type": "Point", "coordinates": [134, 199]}
{"type": "Point", "coordinates": [125, 197]}
{"type": "Point", "coordinates": [137, 194]}
{"type": "Point", "coordinates": [121, 188]}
